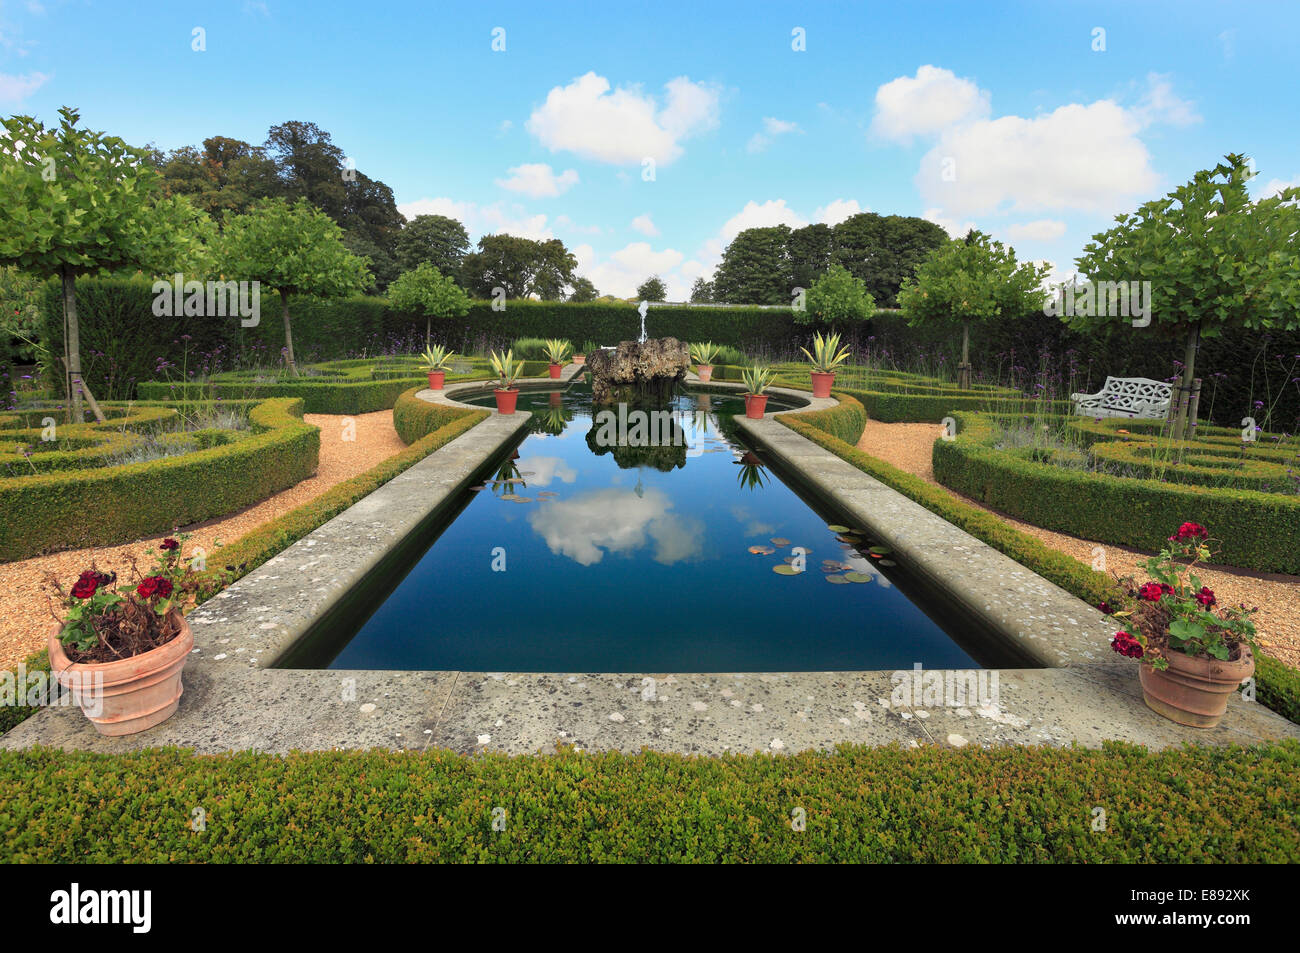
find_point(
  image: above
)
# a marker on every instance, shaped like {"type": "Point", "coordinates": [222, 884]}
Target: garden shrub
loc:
{"type": "Point", "coordinates": [1008, 804]}
{"type": "Point", "coordinates": [1257, 530]}
{"type": "Point", "coordinates": [844, 422]}
{"type": "Point", "coordinates": [414, 418]}
{"type": "Point", "coordinates": [68, 509]}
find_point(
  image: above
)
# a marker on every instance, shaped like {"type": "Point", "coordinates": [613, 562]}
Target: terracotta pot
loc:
{"type": "Point", "coordinates": [1194, 691]}
{"type": "Point", "coordinates": [128, 695]}
{"type": "Point", "coordinates": [556, 399]}
{"type": "Point", "coordinates": [555, 371]}
{"type": "Point", "coordinates": [822, 384]}
{"type": "Point", "coordinates": [579, 359]}
{"type": "Point", "coordinates": [755, 404]}
{"type": "Point", "coordinates": [436, 379]}
{"type": "Point", "coordinates": [705, 372]}
{"type": "Point", "coordinates": [506, 400]}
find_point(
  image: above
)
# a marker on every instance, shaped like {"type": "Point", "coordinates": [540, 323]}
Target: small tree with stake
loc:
{"type": "Point", "coordinates": [971, 279]}
{"type": "Point", "coordinates": [1215, 259]}
{"type": "Point", "coordinates": [291, 249]}
{"type": "Point", "coordinates": [76, 202]}
{"type": "Point", "coordinates": [424, 290]}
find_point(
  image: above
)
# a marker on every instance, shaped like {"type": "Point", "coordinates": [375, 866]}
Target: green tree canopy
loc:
{"type": "Point", "coordinates": [968, 280]}
{"type": "Point", "coordinates": [1215, 259]}
{"type": "Point", "coordinates": [837, 298]}
{"type": "Point", "coordinates": [583, 291]}
{"type": "Point", "coordinates": [883, 250]}
{"type": "Point", "coordinates": [437, 239]}
{"type": "Point", "coordinates": [702, 292]}
{"type": "Point", "coordinates": [425, 290]}
{"type": "Point", "coordinates": [755, 268]}
{"type": "Point", "coordinates": [294, 250]}
{"type": "Point", "coordinates": [520, 266]}
{"type": "Point", "coordinates": [73, 202]}
{"type": "Point", "coordinates": [652, 289]}
{"type": "Point", "coordinates": [809, 250]}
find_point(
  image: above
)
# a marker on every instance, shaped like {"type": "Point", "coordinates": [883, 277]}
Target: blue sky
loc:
{"type": "Point", "coordinates": [1006, 116]}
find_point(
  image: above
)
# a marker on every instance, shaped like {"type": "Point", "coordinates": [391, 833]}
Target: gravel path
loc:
{"type": "Point", "coordinates": [908, 447]}
{"type": "Point", "coordinates": [24, 606]}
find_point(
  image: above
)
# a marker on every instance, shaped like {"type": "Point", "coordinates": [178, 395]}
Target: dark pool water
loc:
{"type": "Point", "coordinates": [577, 556]}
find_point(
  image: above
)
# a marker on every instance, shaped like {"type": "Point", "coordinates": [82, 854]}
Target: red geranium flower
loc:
{"type": "Point", "coordinates": [1152, 591]}
{"type": "Point", "coordinates": [169, 544]}
{"type": "Point", "coordinates": [1190, 531]}
{"type": "Point", "coordinates": [1126, 645]}
{"type": "Point", "coordinates": [1206, 597]}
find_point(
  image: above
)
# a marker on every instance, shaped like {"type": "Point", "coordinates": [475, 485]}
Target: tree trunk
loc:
{"type": "Point", "coordinates": [963, 369]}
{"type": "Point", "coordinates": [72, 336]}
{"type": "Point", "coordinates": [1181, 428]}
{"type": "Point", "coordinates": [428, 331]}
{"type": "Point", "coordinates": [288, 332]}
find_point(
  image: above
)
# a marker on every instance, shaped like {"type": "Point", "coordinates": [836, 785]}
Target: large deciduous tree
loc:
{"type": "Point", "coordinates": [425, 290]}
{"type": "Point", "coordinates": [755, 268]}
{"type": "Point", "coordinates": [520, 267]}
{"type": "Point", "coordinates": [583, 291]}
{"type": "Point", "coordinates": [652, 289]}
{"type": "Point", "coordinates": [73, 202]}
{"type": "Point", "coordinates": [437, 239]}
{"type": "Point", "coordinates": [291, 249]}
{"type": "Point", "coordinates": [968, 280]}
{"type": "Point", "coordinates": [1216, 260]}
{"type": "Point", "coordinates": [883, 250]}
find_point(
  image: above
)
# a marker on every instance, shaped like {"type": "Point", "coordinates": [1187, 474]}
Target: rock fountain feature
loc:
{"type": "Point", "coordinates": [638, 370]}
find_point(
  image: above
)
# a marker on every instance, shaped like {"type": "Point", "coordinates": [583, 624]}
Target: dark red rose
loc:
{"type": "Point", "coordinates": [169, 544]}
{"type": "Point", "coordinates": [84, 588]}
{"type": "Point", "coordinates": [154, 586]}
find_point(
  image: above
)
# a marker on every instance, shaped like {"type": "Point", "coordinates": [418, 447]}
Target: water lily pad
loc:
{"type": "Point", "coordinates": [837, 528]}
{"type": "Point", "coordinates": [888, 562]}
{"type": "Point", "coordinates": [784, 570]}
{"type": "Point", "coordinates": [762, 550]}
{"type": "Point", "coordinates": [881, 550]}
{"type": "Point", "coordinates": [838, 580]}
{"type": "Point", "coordinates": [857, 577]}
{"type": "Point", "coordinates": [476, 489]}
{"type": "Point", "coordinates": [780, 541]}
{"type": "Point", "coordinates": [850, 538]}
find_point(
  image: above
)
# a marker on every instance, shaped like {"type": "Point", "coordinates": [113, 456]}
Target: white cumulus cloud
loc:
{"type": "Point", "coordinates": [645, 225]}
{"type": "Point", "coordinates": [15, 88]}
{"type": "Point", "coordinates": [926, 103]}
{"type": "Point", "coordinates": [482, 220]}
{"type": "Point", "coordinates": [838, 210]}
{"type": "Point", "coordinates": [1042, 230]}
{"type": "Point", "coordinates": [772, 128]}
{"type": "Point", "coordinates": [538, 180]}
{"type": "Point", "coordinates": [623, 125]}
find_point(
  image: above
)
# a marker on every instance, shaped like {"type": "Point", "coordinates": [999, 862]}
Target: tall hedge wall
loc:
{"type": "Point", "coordinates": [122, 340]}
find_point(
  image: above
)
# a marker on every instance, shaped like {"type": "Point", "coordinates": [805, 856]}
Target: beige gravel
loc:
{"type": "Point", "coordinates": [24, 605]}
{"type": "Point", "coordinates": [909, 447]}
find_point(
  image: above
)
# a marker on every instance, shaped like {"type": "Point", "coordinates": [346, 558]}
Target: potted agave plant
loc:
{"type": "Point", "coordinates": [435, 360]}
{"type": "Point", "coordinates": [1194, 653]}
{"type": "Point", "coordinates": [825, 357]}
{"type": "Point", "coordinates": [756, 381]}
{"type": "Point", "coordinates": [508, 371]}
{"type": "Point", "coordinates": [120, 648]}
{"type": "Point", "coordinates": [704, 355]}
{"type": "Point", "coordinates": [557, 352]}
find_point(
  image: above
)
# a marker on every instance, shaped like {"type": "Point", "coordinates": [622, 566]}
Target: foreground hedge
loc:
{"type": "Point", "coordinates": [106, 505]}
{"type": "Point", "coordinates": [928, 805]}
{"type": "Point", "coordinates": [1256, 530]}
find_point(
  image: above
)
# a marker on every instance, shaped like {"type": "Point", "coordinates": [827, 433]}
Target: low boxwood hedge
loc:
{"type": "Point", "coordinates": [857, 804]}
{"type": "Point", "coordinates": [106, 505]}
{"type": "Point", "coordinates": [260, 544]}
{"type": "Point", "coordinates": [844, 421]}
{"type": "Point", "coordinates": [1256, 530]}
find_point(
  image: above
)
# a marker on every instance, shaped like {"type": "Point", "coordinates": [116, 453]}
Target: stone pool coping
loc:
{"type": "Point", "coordinates": [233, 701]}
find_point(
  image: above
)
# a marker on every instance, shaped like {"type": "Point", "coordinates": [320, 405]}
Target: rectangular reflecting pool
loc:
{"type": "Point", "coordinates": [642, 540]}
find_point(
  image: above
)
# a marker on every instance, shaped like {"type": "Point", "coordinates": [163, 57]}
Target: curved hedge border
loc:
{"type": "Point", "coordinates": [1257, 530]}
{"type": "Point", "coordinates": [271, 538]}
{"type": "Point", "coordinates": [1008, 804]}
{"type": "Point", "coordinates": [108, 505]}
{"type": "Point", "coordinates": [844, 422]}
{"type": "Point", "coordinates": [1277, 685]}
{"type": "Point", "coordinates": [355, 386]}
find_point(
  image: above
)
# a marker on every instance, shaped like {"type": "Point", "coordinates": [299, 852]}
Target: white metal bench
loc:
{"type": "Point", "coordinates": [1135, 397]}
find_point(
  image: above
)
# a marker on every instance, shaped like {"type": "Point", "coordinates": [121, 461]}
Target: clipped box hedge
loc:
{"type": "Point", "coordinates": [1255, 530]}
{"type": "Point", "coordinates": [1007, 804]}
{"type": "Point", "coordinates": [71, 509]}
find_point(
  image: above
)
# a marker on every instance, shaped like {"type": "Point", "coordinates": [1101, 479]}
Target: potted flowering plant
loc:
{"type": "Point", "coordinates": [1194, 653]}
{"type": "Point", "coordinates": [557, 352]}
{"type": "Point", "coordinates": [121, 646]}
{"type": "Point", "coordinates": [435, 361]}
{"type": "Point", "coordinates": [508, 371]}
{"type": "Point", "coordinates": [825, 357]}
{"type": "Point", "coordinates": [704, 355]}
{"type": "Point", "coordinates": [756, 381]}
